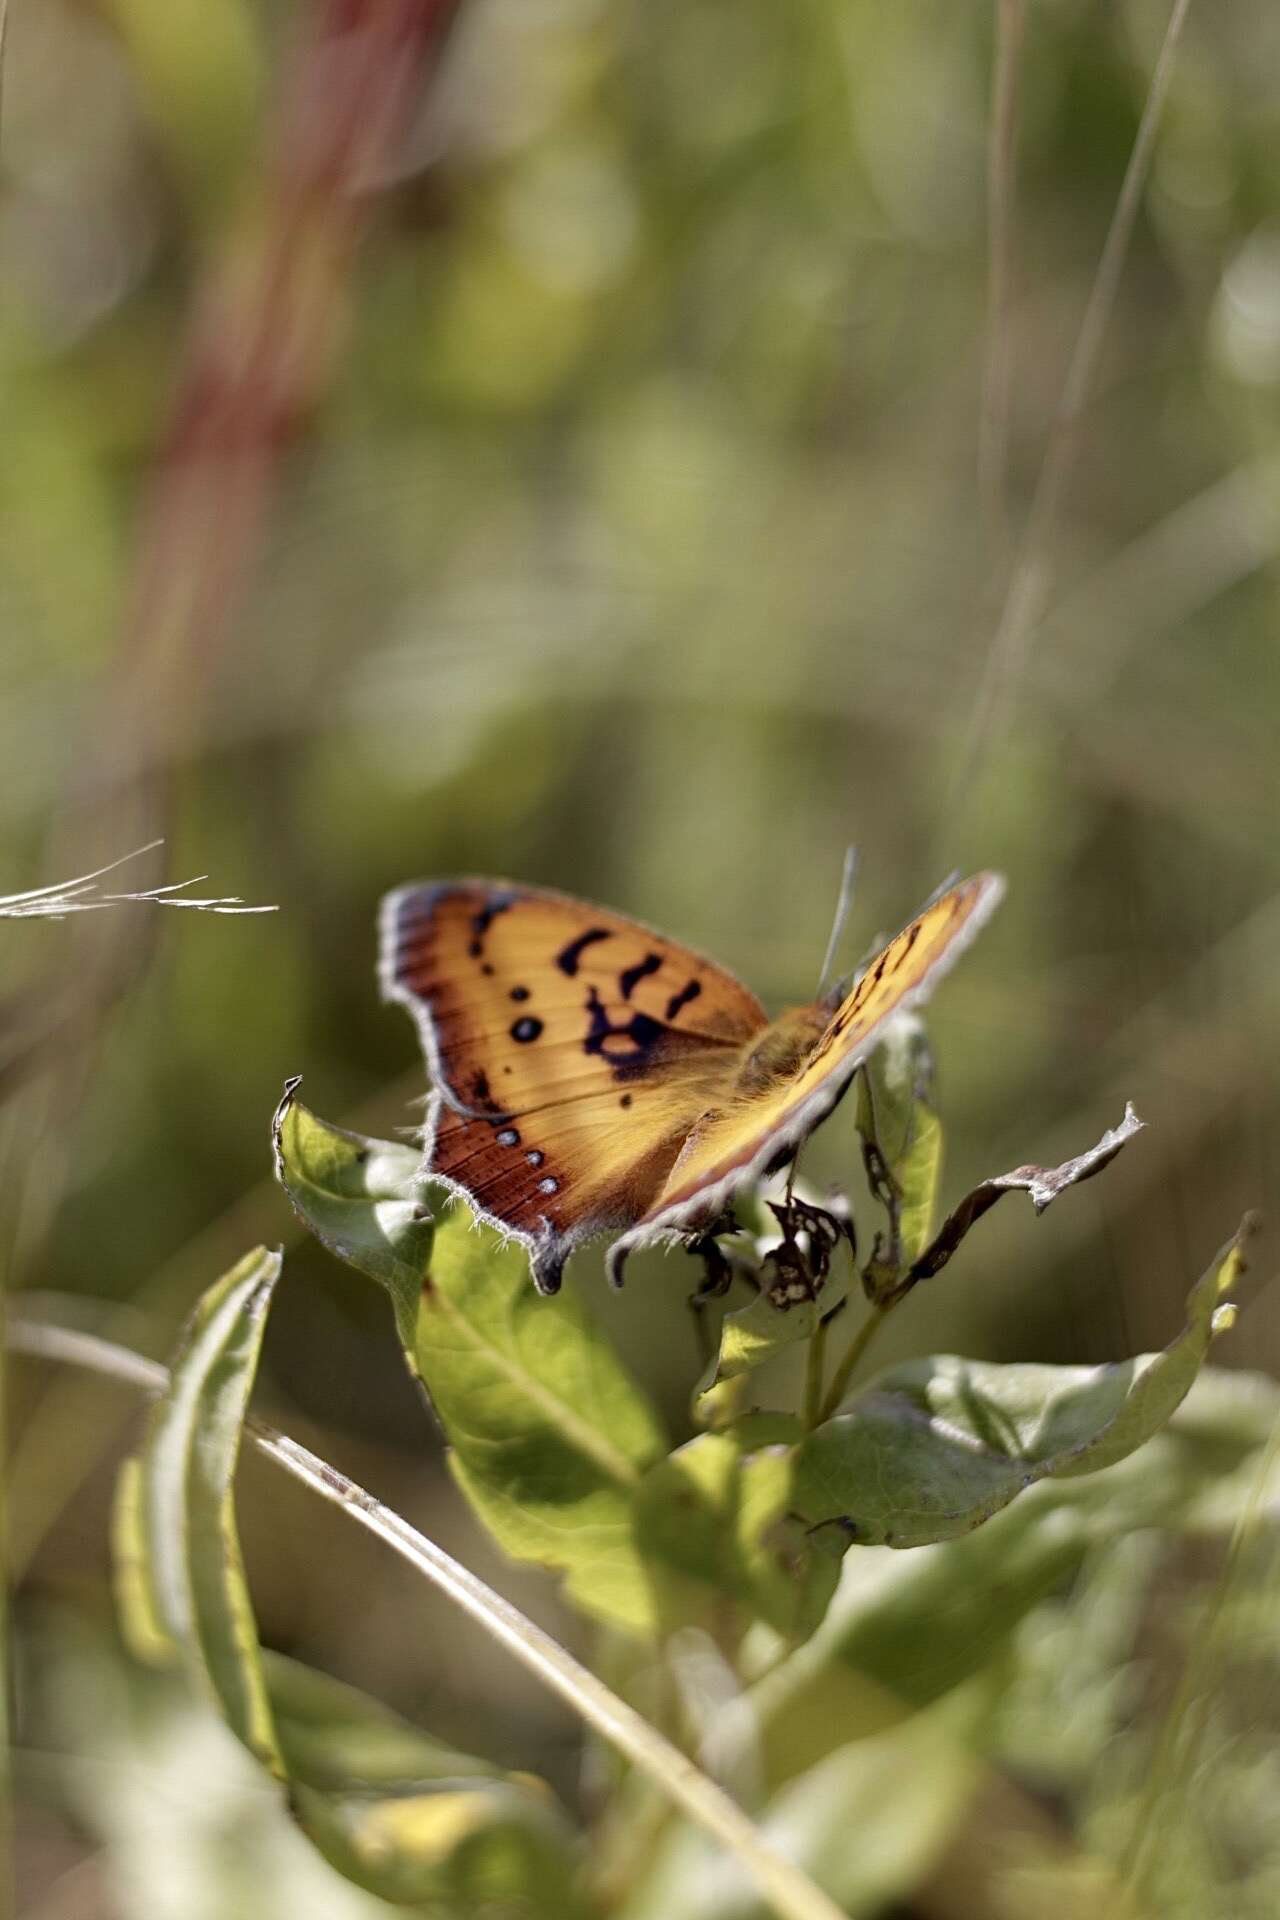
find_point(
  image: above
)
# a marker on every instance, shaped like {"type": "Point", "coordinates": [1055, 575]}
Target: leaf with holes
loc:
{"type": "Point", "coordinates": [753, 1335]}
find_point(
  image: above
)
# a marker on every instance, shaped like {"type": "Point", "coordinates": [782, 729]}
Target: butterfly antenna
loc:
{"type": "Point", "coordinates": [848, 880]}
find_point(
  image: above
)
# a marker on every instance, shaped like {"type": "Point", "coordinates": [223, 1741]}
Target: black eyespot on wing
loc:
{"type": "Point", "coordinates": [568, 957]}
{"type": "Point", "coordinates": [549, 1185]}
{"type": "Point", "coordinates": [525, 1029]}
{"type": "Point", "coordinates": [509, 1137]}
{"type": "Point", "coordinates": [535, 1157]}
{"type": "Point", "coordinates": [519, 993]}
{"type": "Point", "coordinates": [630, 978]}
{"type": "Point", "coordinates": [625, 1100]}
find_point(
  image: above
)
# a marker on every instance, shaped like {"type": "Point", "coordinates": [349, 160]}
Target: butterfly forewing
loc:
{"type": "Point", "coordinates": [758, 1127]}
{"type": "Point", "coordinates": [572, 1050]}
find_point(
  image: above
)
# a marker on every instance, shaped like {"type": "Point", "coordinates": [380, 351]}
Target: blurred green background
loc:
{"type": "Point", "coordinates": [607, 516]}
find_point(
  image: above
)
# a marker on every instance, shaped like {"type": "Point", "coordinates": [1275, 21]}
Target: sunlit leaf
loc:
{"type": "Point", "coordinates": [934, 1447]}
{"type": "Point", "coordinates": [897, 1118]}
{"type": "Point", "coordinates": [475, 1849]}
{"type": "Point", "coordinates": [407, 1817]}
{"type": "Point", "coordinates": [184, 1579]}
{"type": "Point", "coordinates": [395, 1812]}
{"type": "Point", "coordinates": [549, 1435]}
{"type": "Point", "coordinates": [359, 1197]}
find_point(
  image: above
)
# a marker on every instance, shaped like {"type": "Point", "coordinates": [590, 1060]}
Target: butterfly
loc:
{"type": "Point", "coordinates": [590, 1075]}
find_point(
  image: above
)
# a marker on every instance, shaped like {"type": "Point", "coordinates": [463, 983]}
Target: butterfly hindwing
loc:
{"type": "Point", "coordinates": [571, 1050]}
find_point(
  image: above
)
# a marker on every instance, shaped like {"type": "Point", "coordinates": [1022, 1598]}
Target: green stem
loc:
{"type": "Point", "coordinates": [856, 1349]}
{"type": "Point", "coordinates": [813, 1375]}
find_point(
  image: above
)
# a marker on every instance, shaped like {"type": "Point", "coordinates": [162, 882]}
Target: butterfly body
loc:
{"type": "Point", "coordinates": [591, 1075]}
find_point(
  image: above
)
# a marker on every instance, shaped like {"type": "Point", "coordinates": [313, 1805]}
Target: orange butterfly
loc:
{"type": "Point", "coordinates": [591, 1076]}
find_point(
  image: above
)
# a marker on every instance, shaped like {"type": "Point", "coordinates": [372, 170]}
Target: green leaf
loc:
{"type": "Point", "coordinates": [933, 1448]}
{"type": "Point", "coordinates": [478, 1849]}
{"type": "Point", "coordinates": [360, 1198]}
{"type": "Point", "coordinates": [409, 1818]}
{"type": "Point", "coordinates": [393, 1811]}
{"type": "Point", "coordinates": [754, 1335]}
{"type": "Point", "coordinates": [715, 1517]}
{"type": "Point", "coordinates": [905, 1628]}
{"type": "Point", "coordinates": [864, 1821]}
{"type": "Point", "coordinates": [896, 1118]}
{"type": "Point", "coordinates": [331, 1734]}
{"type": "Point", "coordinates": [549, 1434]}
{"type": "Point", "coordinates": [182, 1580]}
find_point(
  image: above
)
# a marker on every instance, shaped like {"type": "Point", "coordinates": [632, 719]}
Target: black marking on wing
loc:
{"type": "Point", "coordinates": [482, 1093]}
{"type": "Point", "coordinates": [688, 992]}
{"type": "Point", "coordinates": [630, 977]}
{"type": "Point", "coordinates": [482, 920]}
{"type": "Point", "coordinates": [626, 1047]}
{"type": "Point", "coordinates": [525, 1029]}
{"type": "Point", "coordinates": [519, 993]}
{"type": "Point", "coordinates": [568, 957]}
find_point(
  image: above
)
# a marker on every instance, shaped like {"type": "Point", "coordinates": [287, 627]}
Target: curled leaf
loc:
{"type": "Point", "coordinates": [1044, 1184]}
{"type": "Point", "coordinates": [933, 1448]}
{"type": "Point", "coordinates": [395, 1812]}
{"type": "Point", "coordinates": [360, 1198]}
{"type": "Point", "coordinates": [902, 1144]}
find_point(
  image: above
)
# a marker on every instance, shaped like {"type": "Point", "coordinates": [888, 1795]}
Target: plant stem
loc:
{"type": "Point", "coordinates": [813, 1374]}
{"type": "Point", "coordinates": [993, 424]}
{"type": "Point", "coordinates": [856, 1349]}
{"type": "Point", "coordinates": [1029, 583]}
{"type": "Point", "coordinates": [789, 1891]}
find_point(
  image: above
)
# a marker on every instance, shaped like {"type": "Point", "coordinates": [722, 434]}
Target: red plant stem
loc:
{"type": "Point", "coordinates": [262, 341]}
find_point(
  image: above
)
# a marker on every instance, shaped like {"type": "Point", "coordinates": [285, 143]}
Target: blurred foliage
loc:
{"type": "Point", "coordinates": [631, 543]}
